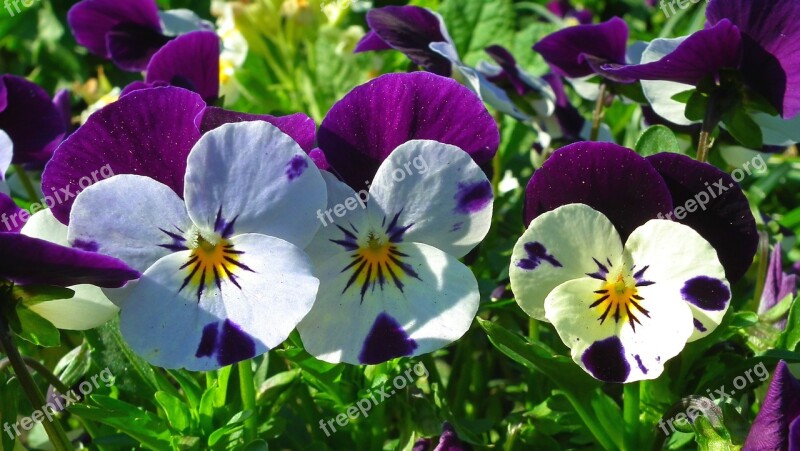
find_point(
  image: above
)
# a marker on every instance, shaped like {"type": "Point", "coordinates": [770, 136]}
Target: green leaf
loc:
{"type": "Point", "coordinates": [684, 96]}
{"type": "Point", "coordinates": [256, 445]}
{"type": "Point", "coordinates": [36, 294]}
{"type": "Point", "coordinates": [177, 414]}
{"type": "Point", "coordinates": [36, 329]}
{"type": "Point", "coordinates": [779, 310]}
{"type": "Point", "coordinates": [191, 388]}
{"type": "Point", "coordinates": [143, 426]}
{"type": "Point", "coordinates": [657, 139]}
{"type": "Point", "coordinates": [475, 25]}
{"type": "Point", "coordinates": [696, 107]}
{"type": "Point", "coordinates": [74, 365]}
{"type": "Point", "coordinates": [236, 423]}
{"type": "Point", "coordinates": [743, 128]}
{"type": "Point", "coordinates": [790, 337]}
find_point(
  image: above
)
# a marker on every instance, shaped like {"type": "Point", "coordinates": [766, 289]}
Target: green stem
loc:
{"type": "Point", "coordinates": [710, 123]}
{"type": "Point", "coordinates": [248, 390]}
{"type": "Point", "coordinates": [53, 428]}
{"type": "Point", "coordinates": [33, 196]}
{"type": "Point", "coordinates": [630, 412]}
{"type": "Point", "coordinates": [43, 371]}
{"type": "Point", "coordinates": [597, 115]}
{"type": "Point", "coordinates": [533, 330]}
{"type": "Point", "coordinates": [590, 420]}
{"type": "Point", "coordinates": [763, 262]}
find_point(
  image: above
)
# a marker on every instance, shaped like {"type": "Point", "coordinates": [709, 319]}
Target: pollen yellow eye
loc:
{"type": "Point", "coordinates": [210, 263]}
{"type": "Point", "coordinates": [619, 296]}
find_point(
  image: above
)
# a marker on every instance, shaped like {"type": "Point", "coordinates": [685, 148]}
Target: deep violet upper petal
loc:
{"type": "Point", "coordinates": [92, 20]}
{"type": "Point", "coordinates": [781, 407]}
{"type": "Point", "coordinates": [190, 61]}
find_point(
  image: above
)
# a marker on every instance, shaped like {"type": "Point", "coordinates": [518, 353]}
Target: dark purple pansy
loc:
{"type": "Point", "coordinates": [509, 76]}
{"type": "Point", "coordinates": [127, 32]}
{"type": "Point", "coordinates": [631, 190]}
{"type": "Point", "coordinates": [363, 128]}
{"type": "Point", "coordinates": [770, 47]}
{"type": "Point", "coordinates": [448, 441]}
{"type": "Point", "coordinates": [30, 118]}
{"type": "Point", "coordinates": [703, 54]}
{"type": "Point", "coordinates": [777, 426]}
{"type": "Point", "coordinates": [565, 10]}
{"type": "Point", "coordinates": [759, 39]}
{"type": "Point", "coordinates": [582, 50]}
{"type": "Point", "coordinates": [147, 132]}
{"type": "Point", "coordinates": [190, 61]}
{"type": "Point", "coordinates": [777, 286]}
{"type": "Point", "coordinates": [410, 30]}
{"type": "Point", "coordinates": [725, 220]}
{"type": "Point", "coordinates": [569, 119]}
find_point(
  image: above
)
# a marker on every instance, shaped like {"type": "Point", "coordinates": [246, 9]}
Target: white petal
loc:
{"type": "Point", "coordinates": [434, 308]}
{"type": "Point", "coordinates": [561, 245]}
{"type": "Point", "coordinates": [660, 93]}
{"type": "Point", "coordinates": [6, 153]}
{"type": "Point", "coordinates": [612, 350]}
{"type": "Point", "coordinates": [89, 307]}
{"type": "Point", "coordinates": [175, 22]}
{"type": "Point", "coordinates": [256, 178]}
{"type": "Point", "coordinates": [346, 211]}
{"type": "Point", "coordinates": [684, 266]}
{"type": "Point", "coordinates": [778, 131]}
{"type": "Point", "coordinates": [438, 192]}
{"type": "Point", "coordinates": [133, 218]}
{"type": "Point", "coordinates": [584, 87]}
{"type": "Point", "coordinates": [169, 327]}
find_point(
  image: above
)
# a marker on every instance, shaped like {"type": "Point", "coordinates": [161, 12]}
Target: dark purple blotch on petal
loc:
{"type": "Point", "coordinates": [296, 167]}
{"type": "Point", "coordinates": [132, 46]}
{"type": "Point", "coordinates": [227, 341]}
{"type": "Point", "coordinates": [699, 326]}
{"type": "Point", "coordinates": [473, 197]}
{"type": "Point", "coordinates": [640, 364]}
{"type": "Point", "coordinates": [537, 254]}
{"type": "Point", "coordinates": [708, 293]}
{"type": "Point", "coordinates": [385, 341]}
{"type": "Point", "coordinates": [776, 423]}
{"type": "Point", "coordinates": [88, 246]}
{"type": "Point", "coordinates": [605, 360]}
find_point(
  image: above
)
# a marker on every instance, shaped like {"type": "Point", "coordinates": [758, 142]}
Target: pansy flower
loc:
{"type": "Point", "coordinates": [422, 36]}
{"type": "Point", "coordinates": [88, 307]}
{"type": "Point", "coordinates": [32, 261]}
{"type": "Point", "coordinates": [571, 15]}
{"type": "Point", "coordinates": [777, 286]}
{"type": "Point", "coordinates": [147, 132]}
{"type": "Point", "coordinates": [190, 61]}
{"type": "Point", "coordinates": [129, 32]}
{"type": "Point", "coordinates": [777, 426]}
{"type": "Point", "coordinates": [525, 90]}
{"type": "Point", "coordinates": [662, 186]}
{"type": "Point", "coordinates": [387, 257]}
{"type": "Point", "coordinates": [30, 119]}
{"type": "Point", "coordinates": [224, 277]}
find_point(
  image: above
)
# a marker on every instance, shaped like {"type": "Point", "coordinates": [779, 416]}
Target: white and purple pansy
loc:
{"type": "Point", "coordinates": [225, 277]}
{"type": "Point", "coordinates": [622, 309]}
{"type": "Point", "coordinates": [410, 201]}
{"type": "Point", "coordinates": [630, 190]}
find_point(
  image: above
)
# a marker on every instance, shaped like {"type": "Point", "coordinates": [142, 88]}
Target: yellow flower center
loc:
{"type": "Point", "coordinates": [619, 298]}
{"type": "Point", "coordinates": [211, 261]}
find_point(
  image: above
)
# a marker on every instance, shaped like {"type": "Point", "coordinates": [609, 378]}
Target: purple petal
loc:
{"type": "Point", "coordinates": [724, 219]}
{"type": "Point", "coordinates": [9, 215]}
{"type": "Point", "coordinates": [567, 50]}
{"type": "Point", "coordinates": [781, 407]}
{"type": "Point", "coordinates": [449, 440]}
{"type": "Point", "coordinates": [611, 179]}
{"type": "Point", "coordinates": [63, 105]}
{"type": "Point", "coordinates": [703, 54]}
{"type": "Point", "coordinates": [371, 42]}
{"type": "Point", "coordinates": [41, 262]}
{"type": "Point", "coordinates": [410, 30]}
{"type": "Point", "coordinates": [298, 126]}
{"type": "Point", "coordinates": [318, 157]}
{"type": "Point", "coordinates": [568, 117]}
{"type": "Point", "coordinates": [31, 120]}
{"type": "Point", "coordinates": [190, 61]}
{"type": "Point", "coordinates": [148, 132]}
{"type": "Point", "coordinates": [771, 42]}
{"type": "Point", "coordinates": [138, 85]}
{"type": "Point", "coordinates": [778, 285]}
{"type": "Point", "coordinates": [92, 20]}
{"type": "Point", "coordinates": [363, 128]}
